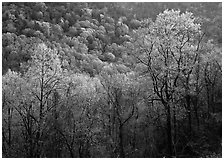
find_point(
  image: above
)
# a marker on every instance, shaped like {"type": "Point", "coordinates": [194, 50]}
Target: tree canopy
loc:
{"type": "Point", "coordinates": [119, 79]}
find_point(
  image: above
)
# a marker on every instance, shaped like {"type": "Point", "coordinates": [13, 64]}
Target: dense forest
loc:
{"type": "Point", "coordinates": [111, 79]}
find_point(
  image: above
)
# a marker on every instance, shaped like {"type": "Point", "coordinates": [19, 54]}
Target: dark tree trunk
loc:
{"type": "Point", "coordinates": [9, 127]}
{"type": "Point", "coordinates": [169, 131]}
{"type": "Point", "coordinates": [197, 117]}
{"type": "Point", "coordinates": [212, 101]}
{"type": "Point", "coordinates": [133, 143]}
{"type": "Point", "coordinates": [121, 147]}
{"type": "Point", "coordinates": [208, 102]}
{"type": "Point", "coordinates": [30, 141]}
{"type": "Point", "coordinates": [80, 151]}
{"type": "Point", "coordinates": [189, 114]}
{"type": "Point", "coordinates": [175, 128]}
{"type": "Point", "coordinates": [195, 105]}
{"type": "Point", "coordinates": [189, 123]}
{"type": "Point", "coordinates": [30, 148]}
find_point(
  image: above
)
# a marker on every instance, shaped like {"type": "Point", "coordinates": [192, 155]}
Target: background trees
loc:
{"type": "Point", "coordinates": [111, 80]}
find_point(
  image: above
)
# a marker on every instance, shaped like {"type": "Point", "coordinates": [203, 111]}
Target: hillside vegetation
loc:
{"type": "Point", "coordinates": [111, 79]}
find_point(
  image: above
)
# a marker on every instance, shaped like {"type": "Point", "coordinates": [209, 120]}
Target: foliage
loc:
{"type": "Point", "coordinates": [111, 79]}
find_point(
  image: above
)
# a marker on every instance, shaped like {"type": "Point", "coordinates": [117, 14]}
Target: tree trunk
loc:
{"type": "Point", "coordinates": [9, 130]}
{"type": "Point", "coordinates": [80, 151]}
{"type": "Point", "coordinates": [212, 101]}
{"type": "Point", "coordinates": [175, 128]}
{"type": "Point", "coordinates": [134, 138]}
{"type": "Point", "coordinates": [121, 147]}
{"type": "Point", "coordinates": [195, 105]}
{"type": "Point", "coordinates": [169, 131]}
{"type": "Point", "coordinates": [38, 135]}
{"type": "Point", "coordinates": [189, 114]}
{"type": "Point", "coordinates": [30, 148]}
{"type": "Point", "coordinates": [9, 127]}
{"type": "Point", "coordinates": [208, 102]}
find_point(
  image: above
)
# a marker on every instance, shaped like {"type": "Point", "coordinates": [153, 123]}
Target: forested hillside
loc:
{"type": "Point", "coordinates": [111, 79]}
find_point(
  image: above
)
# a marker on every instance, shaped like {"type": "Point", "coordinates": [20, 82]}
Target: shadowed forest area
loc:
{"type": "Point", "coordinates": [111, 79]}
